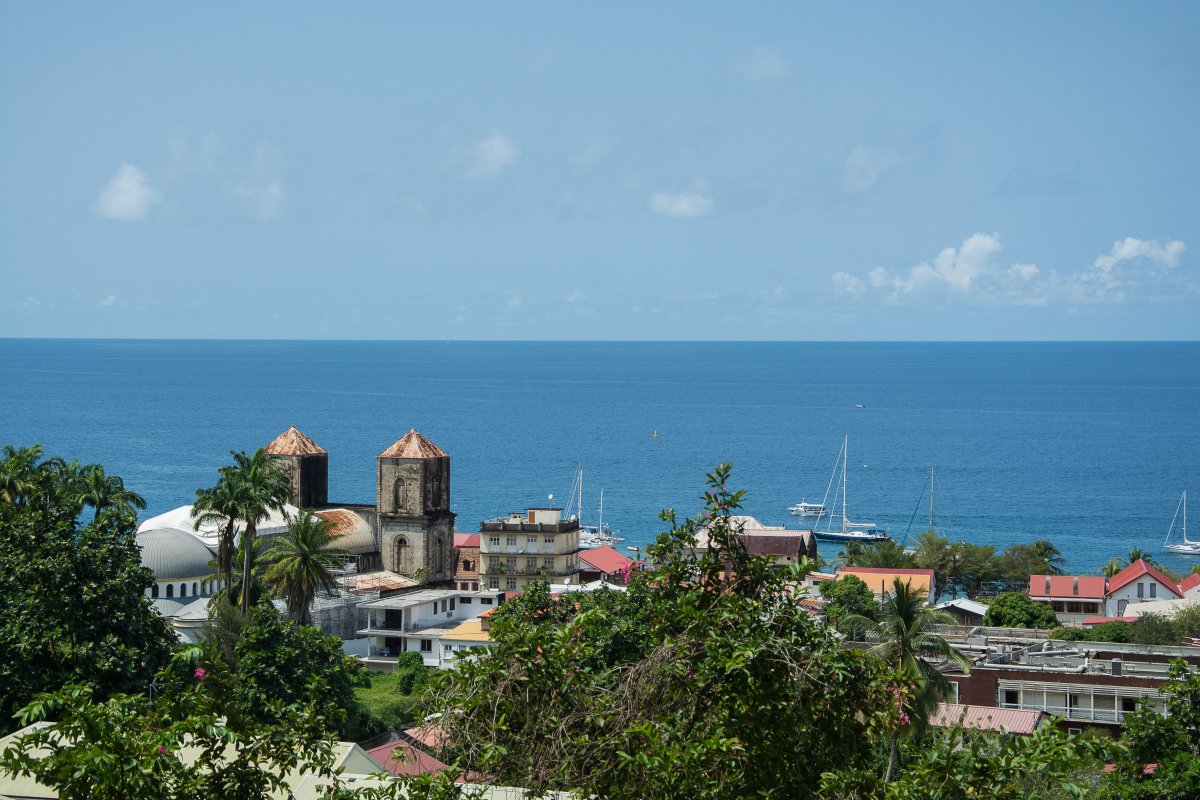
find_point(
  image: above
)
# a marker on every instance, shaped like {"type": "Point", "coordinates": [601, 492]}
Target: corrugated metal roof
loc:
{"type": "Point", "coordinates": [414, 445]}
{"type": "Point", "coordinates": [1189, 583]}
{"type": "Point", "coordinates": [351, 531]}
{"type": "Point", "coordinates": [605, 559]}
{"type": "Point", "coordinates": [466, 540]}
{"type": "Point", "coordinates": [1136, 570]}
{"type": "Point", "coordinates": [1091, 587]}
{"type": "Point", "coordinates": [1007, 720]}
{"type": "Point", "coordinates": [410, 760]}
{"type": "Point", "coordinates": [294, 443]}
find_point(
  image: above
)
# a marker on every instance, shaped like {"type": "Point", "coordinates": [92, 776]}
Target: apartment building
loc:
{"type": "Point", "coordinates": [537, 544]}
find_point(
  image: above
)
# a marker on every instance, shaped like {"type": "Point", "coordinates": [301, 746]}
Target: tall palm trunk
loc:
{"type": "Point", "coordinates": [248, 545]}
{"type": "Point", "coordinates": [887, 778]}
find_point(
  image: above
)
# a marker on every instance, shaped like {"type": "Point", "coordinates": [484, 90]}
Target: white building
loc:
{"type": "Point", "coordinates": [418, 621]}
{"type": "Point", "coordinates": [184, 578]}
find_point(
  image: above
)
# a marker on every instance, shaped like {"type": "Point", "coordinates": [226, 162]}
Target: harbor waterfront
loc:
{"type": "Point", "coordinates": [1086, 444]}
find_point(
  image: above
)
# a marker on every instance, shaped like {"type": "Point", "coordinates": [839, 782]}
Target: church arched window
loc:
{"type": "Point", "coordinates": [183, 590]}
{"type": "Point", "coordinates": [400, 494]}
{"type": "Point", "coordinates": [154, 591]}
{"type": "Point", "coordinates": [195, 588]}
{"type": "Point", "coordinates": [170, 590]}
{"type": "Point", "coordinates": [402, 556]}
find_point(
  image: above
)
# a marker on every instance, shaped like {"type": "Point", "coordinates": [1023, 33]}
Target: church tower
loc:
{"type": "Point", "coordinates": [412, 499]}
{"type": "Point", "coordinates": [307, 466]}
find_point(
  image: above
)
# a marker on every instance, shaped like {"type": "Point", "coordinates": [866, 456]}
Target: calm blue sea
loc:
{"type": "Point", "coordinates": [1086, 444]}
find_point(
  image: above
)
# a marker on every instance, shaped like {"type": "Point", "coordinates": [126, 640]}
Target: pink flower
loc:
{"type": "Point", "coordinates": [904, 719]}
{"type": "Point", "coordinates": [162, 751]}
{"type": "Point", "coordinates": [200, 673]}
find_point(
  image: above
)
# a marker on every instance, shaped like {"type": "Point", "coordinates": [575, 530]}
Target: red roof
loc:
{"type": "Point", "coordinates": [1102, 620]}
{"type": "Point", "coordinates": [466, 540]}
{"type": "Point", "coordinates": [605, 559]}
{"type": "Point", "coordinates": [402, 758]}
{"type": "Point", "coordinates": [1008, 720]}
{"type": "Point", "coordinates": [1087, 586]}
{"type": "Point", "coordinates": [1136, 570]}
{"type": "Point", "coordinates": [414, 445]}
{"type": "Point", "coordinates": [1189, 583]}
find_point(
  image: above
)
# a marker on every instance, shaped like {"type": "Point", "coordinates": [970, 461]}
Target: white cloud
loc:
{"type": "Point", "coordinates": [514, 302]}
{"type": "Point", "coordinates": [576, 296]}
{"type": "Point", "coordinates": [863, 167]}
{"type": "Point", "coordinates": [493, 155]}
{"type": "Point", "coordinates": [763, 65]}
{"type": "Point", "coordinates": [128, 196]}
{"type": "Point", "coordinates": [681, 204]}
{"type": "Point", "coordinates": [1131, 248]}
{"type": "Point", "coordinates": [971, 274]}
{"type": "Point", "coordinates": [108, 301]}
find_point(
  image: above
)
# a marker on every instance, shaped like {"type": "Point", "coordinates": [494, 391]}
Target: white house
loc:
{"type": "Point", "coordinates": [417, 621]}
{"type": "Point", "coordinates": [1138, 583]}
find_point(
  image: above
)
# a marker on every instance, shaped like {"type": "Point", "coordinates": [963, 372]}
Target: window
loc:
{"type": "Point", "coordinates": [466, 601]}
{"type": "Point", "coordinates": [426, 645]}
{"type": "Point", "coordinates": [1074, 731]}
{"type": "Point", "coordinates": [183, 590]}
{"type": "Point", "coordinates": [548, 563]}
{"type": "Point", "coordinates": [196, 589]}
{"type": "Point", "coordinates": [1153, 590]}
{"type": "Point", "coordinates": [511, 541]}
{"type": "Point", "coordinates": [512, 564]}
{"type": "Point", "coordinates": [953, 698]}
{"type": "Point", "coordinates": [1012, 697]}
{"type": "Point", "coordinates": [494, 541]}
{"type": "Point", "coordinates": [493, 583]}
{"type": "Point", "coordinates": [154, 591]}
{"type": "Point", "coordinates": [511, 584]}
{"type": "Point", "coordinates": [468, 566]}
{"type": "Point", "coordinates": [486, 601]}
{"type": "Point", "coordinates": [1128, 703]}
{"type": "Point", "coordinates": [1141, 590]}
{"type": "Point", "coordinates": [494, 563]}
{"type": "Point", "coordinates": [531, 564]}
{"type": "Point", "coordinates": [447, 647]}
{"type": "Point", "coordinates": [452, 599]}
{"type": "Point", "coordinates": [531, 541]}
{"type": "Point", "coordinates": [549, 540]}
{"type": "Point", "coordinates": [170, 590]}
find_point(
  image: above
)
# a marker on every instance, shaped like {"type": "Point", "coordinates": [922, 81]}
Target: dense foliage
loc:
{"type": "Point", "coordinates": [690, 685]}
{"type": "Point", "coordinates": [846, 597]}
{"type": "Point", "coordinates": [72, 594]}
{"type": "Point", "coordinates": [1019, 610]}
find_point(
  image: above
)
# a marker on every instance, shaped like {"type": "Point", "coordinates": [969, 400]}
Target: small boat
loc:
{"type": "Point", "coordinates": [851, 531]}
{"type": "Point", "coordinates": [1188, 547]}
{"type": "Point", "coordinates": [803, 509]}
{"type": "Point", "coordinates": [860, 405]}
{"type": "Point", "coordinates": [590, 536]}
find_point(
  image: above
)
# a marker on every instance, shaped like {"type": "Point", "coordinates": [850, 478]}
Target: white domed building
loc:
{"type": "Point", "coordinates": [184, 577]}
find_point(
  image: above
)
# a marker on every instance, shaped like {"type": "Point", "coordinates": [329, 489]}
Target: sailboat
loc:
{"type": "Point", "coordinates": [851, 531]}
{"type": "Point", "coordinates": [1188, 547]}
{"type": "Point", "coordinates": [590, 535]}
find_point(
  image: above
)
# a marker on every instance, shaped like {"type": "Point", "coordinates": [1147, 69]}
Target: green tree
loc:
{"type": "Point", "coordinates": [1137, 554]}
{"type": "Point", "coordinates": [1018, 610]}
{"type": "Point", "coordinates": [297, 564]}
{"type": "Point", "coordinates": [1172, 742]}
{"type": "Point", "coordinates": [1050, 556]}
{"type": "Point", "coordinates": [1156, 629]}
{"type": "Point", "coordinates": [725, 687]}
{"type": "Point", "coordinates": [261, 487]}
{"type": "Point", "coordinates": [848, 596]}
{"type": "Point", "coordinates": [73, 597]}
{"type": "Point", "coordinates": [281, 665]}
{"type": "Point", "coordinates": [221, 504]}
{"type": "Point", "coordinates": [128, 746]}
{"type": "Point", "coordinates": [1115, 631]}
{"type": "Point", "coordinates": [909, 646]}
{"type": "Point", "coordinates": [975, 569]}
{"type": "Point", "coordinates": [101, 490]}
{"type": "Point", "coordinates": [885, 554]}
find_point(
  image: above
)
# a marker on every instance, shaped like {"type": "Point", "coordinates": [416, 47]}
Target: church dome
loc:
{"type": "Point", "coordinates": [172, 554]}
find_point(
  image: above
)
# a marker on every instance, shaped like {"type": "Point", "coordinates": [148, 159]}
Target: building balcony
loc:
{"type": "Point", "coordinates": [525, 572]}
{"type": "Point", "coordinates": [528, 527]}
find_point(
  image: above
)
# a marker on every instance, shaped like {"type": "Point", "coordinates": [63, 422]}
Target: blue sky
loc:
{"type": "Point", "coordinates": [604, 171]}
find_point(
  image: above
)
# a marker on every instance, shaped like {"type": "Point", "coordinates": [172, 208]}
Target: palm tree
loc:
{"type": "Point", "coordinates": [1053, 558]}
{"type": "Point", "coordinates": [100, 490]}
{"type": "Point", "coordinates": [220, 504]}
{"type": "Point", "coordinates": [906, 643]}
{"type": "Point", "coordinates": [261, 487]}
{"type": "Point", "coordinates": [298, 564]}
{"type": "Point", "coordinates": [22, 473]}
{"type": "Point", "coordinates": [1111, 568]}
{"type": "Point", "coordinates": [1137, 554]}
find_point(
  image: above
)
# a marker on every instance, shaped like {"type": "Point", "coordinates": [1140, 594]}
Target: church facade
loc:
{"type": "Point", "coordinates": [411, 524]}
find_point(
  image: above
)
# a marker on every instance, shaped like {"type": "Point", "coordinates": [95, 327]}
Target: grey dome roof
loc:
{"type": "Point", "coordinates": [172, 554]}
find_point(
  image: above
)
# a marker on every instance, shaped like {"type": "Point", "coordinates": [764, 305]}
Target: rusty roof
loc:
{"type": "Point", "coordinates": [414, 445]}
{"type": "Point", "coordinates": [1007, 720]}
{"type": "Point", "coordinates": [294, 443]}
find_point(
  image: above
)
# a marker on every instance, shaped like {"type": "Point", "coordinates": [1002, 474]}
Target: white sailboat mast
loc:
{"type": "Point", "coordinates": [845, 458]}
{"type": "Point", "coordinates": [930, 497]}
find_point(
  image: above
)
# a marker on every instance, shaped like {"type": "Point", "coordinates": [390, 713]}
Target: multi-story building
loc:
{"type": "Point", "coordinates": [417, 621]}
{"type": "Point", "coordinates": [538, 544]}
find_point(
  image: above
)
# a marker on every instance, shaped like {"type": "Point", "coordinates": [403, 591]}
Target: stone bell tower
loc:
{"type": "Point", "coordinates": [412, 499]}
{"type": "Point", "coordinates": [307, 466]}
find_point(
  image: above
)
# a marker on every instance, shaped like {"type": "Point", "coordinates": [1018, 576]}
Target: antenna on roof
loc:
{"type": "Point", "coordinates": [551, 499]}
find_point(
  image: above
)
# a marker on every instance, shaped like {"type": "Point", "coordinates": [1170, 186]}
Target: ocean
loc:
{"type": "Point", "coordinates": [1086, 444]}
